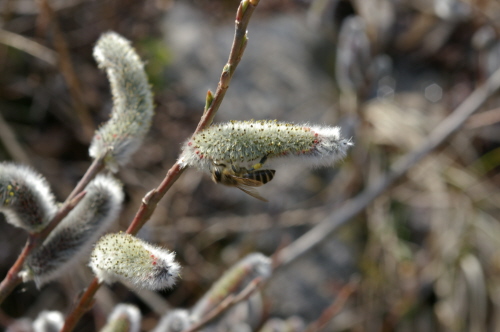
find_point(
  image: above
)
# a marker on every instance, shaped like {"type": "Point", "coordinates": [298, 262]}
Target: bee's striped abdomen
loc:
{"type": "Point", "coordinates": [262, 175]}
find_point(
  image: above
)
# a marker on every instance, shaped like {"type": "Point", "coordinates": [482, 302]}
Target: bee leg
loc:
{"type": "Point", "coordinates": [259, 164]}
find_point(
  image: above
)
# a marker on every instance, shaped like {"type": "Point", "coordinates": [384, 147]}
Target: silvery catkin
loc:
{"type": "Point", "coordinates": [76, 233]}
{"type": "Point", "coordinates": [245, 142]}
{"type": "Point", "coordinates": [123, 257]}
{"type": "Point", "coordinates": [25, 197]}
{"type": "Point", "coordinates": [132, 110]}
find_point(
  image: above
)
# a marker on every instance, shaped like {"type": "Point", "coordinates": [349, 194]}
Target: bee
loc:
{"type": "Point", "coordinates": [242, 178]}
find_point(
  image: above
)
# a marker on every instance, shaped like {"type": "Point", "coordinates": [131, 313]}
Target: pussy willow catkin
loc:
{"type": "Point", "coordinates": [233, 281]}
{"type": "Point", "coordinates": [125, 317]}
{"type": "Point", "coordinates": [243, 142]}
{"type": "Point", "coordinates": [25, 197]}
{"type": "Point", "coordinates": [76, 233]}
{"type": "Point", "coordinates": [123, 257]}
{"type": "Point", "coordinates": [132, 111]}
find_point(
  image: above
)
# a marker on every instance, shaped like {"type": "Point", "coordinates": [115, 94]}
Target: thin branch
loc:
{"type": "Point", "coordinates": [230, 301]}
{"type": "Point", "coordinates": [332, 311]}
{"type": "Point", "coordinates": [483, 119]}
{"type": "Point", "coordinates": [69, 74]}
{"type": "Point", "coordinates": [150, 201]}
{"type": "Point", "coordinates": [84, 304]}
{"type": "Point", "coordinates": [29, 46]}
{"type": "Point", "coordinates": [11, 144]}
{"type": "Point", "coordinates": [354, 206]}
{"type": "Point", "coordinates": [245, 11]}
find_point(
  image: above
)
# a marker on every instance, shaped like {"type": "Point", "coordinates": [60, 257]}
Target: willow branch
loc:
{"type": "Point", "coordinates": [67, 70]}
{"type": "Point", "coordinates": [151, 199]}
{"type": "Point", "coordinates": [329, 313]}
{"type": "Point", "coordinates": [230, 301]}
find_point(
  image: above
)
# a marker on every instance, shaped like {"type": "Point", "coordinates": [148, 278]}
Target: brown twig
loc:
{"type": "Point", "coordinates": [150, 201]}
{"type": "Point", "coordinates": [243, 14]}
{"type": "Point", "coordinates": [73, 198]}
{"type": "Point", "coordinates": [337, 305]}
{"type": "Point", "coordinates": [227, 303]}
{"type": "Point", "coordinates": [11, 144]}
{"type": "Point", "coordinates": [483, 119]}
{"type": "Point", "coordinates": [84, 304]}
{"type": "Point", "coordinates": [12, 279]}
{"type": "Point", "coordinates": [29, 46]}
{"type": "Point", "coordinates": [357, 204]}
{"type": "Point", "coordinates": [66, 67]}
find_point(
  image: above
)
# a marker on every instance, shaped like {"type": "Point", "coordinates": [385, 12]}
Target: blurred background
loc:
{"type": "Point", "coordinates": [424, 256]}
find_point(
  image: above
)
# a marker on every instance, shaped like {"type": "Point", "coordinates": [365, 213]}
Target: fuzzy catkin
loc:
{"type": "Point", "coordinates": [124, 318]}
{"type": "Point", "coordinates": [48, 321]}
{"type": "Point", "coordinates": [244, 142]}
{"type": "Point", "coordinates": [132, 101]}
{"type": "Point", "coordinates": [76, 233]}
{"type": "Point", "coordinates": [233, 281]}
{"type": "Point", "coordinates": [123, 257]}
{"type": "Point", "coordinates": [25, 197]}
{"type": "Point", "coordinates": [176, 320]}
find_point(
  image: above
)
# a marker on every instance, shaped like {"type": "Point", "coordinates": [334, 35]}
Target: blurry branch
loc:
{"type": "Point", "coordinates": [484, 119]}
{"type": "Point", "coordinates": [66, 67]}
{"type": "Point", "coordinates": [354, 206]}
{"type": "Point", "coordinates": [327, 315]}
{"type": "Point", "coordinates": [27, 7]}
{"type": "Point", "coordinates": [9, 141]}
{"type": "Point", "coordinates": [151, 199]}
{"type": "Point", "coordinates": [27, 45]}
{"type": "Point", "coordinates": [227, 303]}
{"type": "Point", "coordinates": [154, 301]}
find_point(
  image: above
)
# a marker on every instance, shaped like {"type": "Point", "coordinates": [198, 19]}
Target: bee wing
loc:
{"type": "Point", "coordinates": [252, 192]}
{"type": "Point", "coordinates": [247, 182]}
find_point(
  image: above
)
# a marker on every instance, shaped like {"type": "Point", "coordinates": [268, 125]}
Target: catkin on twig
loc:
{"type": "Point", "coordinates": [123, 257]}
{"type": "Point", "coordinates": [244, 142]}
{"type": "Point", "coordinates": [132, 110]}
{"type": "Point", "coordinates": [76, 233]}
